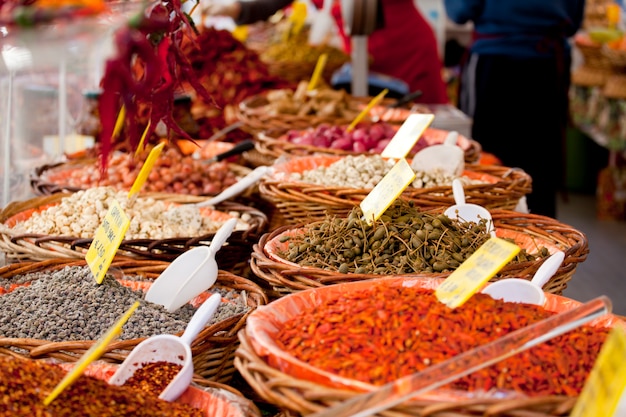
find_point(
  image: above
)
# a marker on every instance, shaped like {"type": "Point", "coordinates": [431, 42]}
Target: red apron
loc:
{"type": "Point", "coordinates": [406, 48]}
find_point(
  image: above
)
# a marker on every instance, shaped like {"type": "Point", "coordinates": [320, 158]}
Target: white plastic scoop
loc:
{"type": "Point", "coordinates": [447, 158]}
{"type": "Point", "coordinates": [237, 188]}
{"type": "Point", "coordinates": [190, 274]}
{"type": "Point", "coordinates": [171, 349]}
{"type": "Point", "coordinates": [467, 212]}
{"type": "Point", "coordinates": [518, 290]}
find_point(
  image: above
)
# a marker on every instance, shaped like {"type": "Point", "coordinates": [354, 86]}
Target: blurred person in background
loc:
{"type": "Point", "coordinates": [405, 48]}
{"type": "Point", "coordinates": [515, 82]}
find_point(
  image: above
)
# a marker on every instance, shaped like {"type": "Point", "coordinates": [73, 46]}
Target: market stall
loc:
{"type": "Point", "coordinates": [353, 265]}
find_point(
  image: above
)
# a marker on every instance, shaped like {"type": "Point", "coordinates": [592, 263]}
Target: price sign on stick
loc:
{"type": "Point", "coordinates": [92, 354]}
{"type": "Point", "coordinates": [366, 110]}
{"type": "Point", "coordinates": [107, 240]}
{"type": "Point", "coordinates": [296, 19]}
{"type": "Point", "coordinates": [317, 72]}
{"type": "Point", "coordinates": [606, 383]}
{"type": "Point", "coordinates": [145, 169]}
{"type": "Point", "coordinates": [475, 271]}
{"type": "Point", "coordinates": [143, 139]}
{"type": "Point", "coordinates": [386, 191]}
{"type": "Point", "coordinates": [406, 137]}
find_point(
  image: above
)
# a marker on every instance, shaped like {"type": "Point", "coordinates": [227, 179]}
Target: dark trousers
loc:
{"type": "Point", "coordinates": [520, 115]}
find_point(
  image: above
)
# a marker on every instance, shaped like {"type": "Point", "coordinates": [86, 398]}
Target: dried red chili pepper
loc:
{"type": "Point", "coordinates": [382, 333]}
{"type": "Point", "coordinates": [144, 73]}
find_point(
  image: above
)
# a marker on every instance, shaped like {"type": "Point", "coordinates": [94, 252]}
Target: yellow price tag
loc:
{"type": "Point", "coordinates": [107, 240]}
{"type": "Point", "coordinates": [317, 72]}
{"type": "Point", "coordinates": [407, 136]}
{"type": "Point", "coordinates": [472, 274]}
{"type": "Point", "coordinates": [367, 109]}
{"type": "Point", "coordinates": [297, 17]}
{"type": "Point", "coordinates": [386, 191]}
{"type": "Point", "coordinates": [92, 354]}
{"type": "Point", "coordinates": [241, 33]}
{"type": "Point", "coordinates": [606, 383]}
{"type": "Point", "coordinates": [143, 139]}
{"type": "Point", "coordinates": [119, 122]}
{"type": "Point", "coordinates": [145, 169]}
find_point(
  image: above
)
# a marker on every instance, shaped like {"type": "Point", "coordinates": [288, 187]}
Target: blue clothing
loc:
{"type": "Point", "coordinates": [522, 28]}
{"type": "Point", "coordinates": [515, 85]}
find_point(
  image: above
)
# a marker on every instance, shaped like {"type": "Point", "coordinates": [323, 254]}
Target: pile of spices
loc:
{"type": "Point", "coordinates": [404, 240]}
{"type": "Point", "coordinates": [68, 305]}
{"type": "Point", "coordinates": [24, 384]}
{"type": "Point", "coordinates": [365, 171]}
{"type": "Point", "coordinates": [81, 213]}
{"type": "Point", "coordinates": [153, 377]}
{"type": "Point", "coordinates": [381, 333]}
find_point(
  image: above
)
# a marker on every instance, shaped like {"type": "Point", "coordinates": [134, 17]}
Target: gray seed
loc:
{"type": "Point", "coordinates": [68, 305]}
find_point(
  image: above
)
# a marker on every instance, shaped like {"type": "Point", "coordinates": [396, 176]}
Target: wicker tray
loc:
{"type": "Point", "coordinates": [270, 145]}
{"type": "Point", "coordinates": [530, 231]}
{"type": "Point", "coordinates": [41, 185]}
{"type": "Point", "coordinates": [307, 397]}
{"type": "Point", "coordinates": [213, 350]}
{"type": "Point", "coordinates": [296, 392]}
{"type": "Point", "coordinates": [299, 202]}
{"type": "Point", "coordinates": [232, 256]}
{"type": "Point", "coordinates": [253, 113]}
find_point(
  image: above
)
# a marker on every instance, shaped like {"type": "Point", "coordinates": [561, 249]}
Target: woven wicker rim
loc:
{"type": "Point", "coordinates": [273, 145]}
{"type": "Point", "coordinates": [297, 201]}
{"type": "Point", "coordinates": [307, 397]}
{"type": "Point", "coordinates": [285, 278]}
{"type": "Point", "coordinates": [40, 247]}
{"type": "Point", "coordinates": [43, 186]}
{"type": "Point", "coordinates": [213, 349]}
{"type": "Point", "coordinates": [262, 327]}
{"type": "Point", "coordinates": [253, 112]}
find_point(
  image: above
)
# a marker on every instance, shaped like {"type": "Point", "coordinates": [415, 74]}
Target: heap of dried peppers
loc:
{"type": "Point", "coordinates": [381, 333]}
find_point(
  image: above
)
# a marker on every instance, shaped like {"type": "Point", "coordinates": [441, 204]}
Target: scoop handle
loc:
{"type": "Point", "coordinates": [435, 376]}
{"type": "Point", "coordinates": [222, 235]}
{"type": "Point", "coordinates": [200, 318]}
{"type": "Point", "coordinates": [451, 138]}
{"type": "Point", "coordinates": [240, 186]}
{"type": "Point", "coordinates": [458, 192]}
{"type": "Point", "coordinates": [548, 268]}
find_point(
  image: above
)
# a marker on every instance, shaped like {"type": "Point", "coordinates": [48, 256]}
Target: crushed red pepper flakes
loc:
{"type": "Point", "coordinates": [381, 333]}
{"type": "Point", "coordinates": [153, 377]}
{"type": "Point", "coordinates": [25, 384]}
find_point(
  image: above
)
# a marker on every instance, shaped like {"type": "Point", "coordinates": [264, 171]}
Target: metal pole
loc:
{"type": "Point", "coordinates": [359, 66]}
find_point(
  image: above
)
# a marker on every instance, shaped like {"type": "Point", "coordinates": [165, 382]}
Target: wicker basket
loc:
{"type": "Point", "coordinates": [299, 202]}
{"type": "Point", "coordinates": [530, 231]}
{"type": "Point", "coordinates": [585, 76]}
{"type": "Point", "coordinates": [253, 113]}
{"type": "Point", "coordinates": [213, 350]}
{"type": "Point", "coordinates": [616, 58]}
{"type": "Point", "coordinates": [592, 52]}
{"type": "Point", "coordinates": [232, 257]}
{"type": "Point", "coordinates": [272, 144]}
{"type": "Point", "coordinates": [306, 397]}
{"type": "Point", "coordinates": [41, 185]}
{"type": "Point", "coordinates": [615, 86]}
